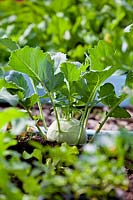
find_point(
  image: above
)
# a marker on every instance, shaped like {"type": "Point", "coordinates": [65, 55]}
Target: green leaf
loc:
{"type": "Point", "coordinates": [33, 62]}
{"type": "Point", "coordinates": [5, 84]}
{"type": "Point", "coordinates": [10, 114]}
{"type": "Point", "coordinates": [94, 80]}
{"type": "Point", "coordinates": [129, 79]}
{"type": "Point", "coordinates": [37, 65]}
{"type": "Point", "coordinates": [71, 72]}
{"type": "Point", "coordinates": [29, 102]}
{"type": "Point", "coordinates": [1, 72]}
{"type": "Point", "coordinates": [19, 80]}
{"type": "Point", "coordinates": [107, 94]}
{"type": "Point", "coordinates": [11, 45]}
{"type": "Point", "coordinates": [80, 91]}
{"type": "Point", "coordinates": [35, 189]}
{"type": "Point", "coordinates": [102, 56]}
{"type": "Point", "coordinates": [26, 94]}
{"type": "Point", "coordinates": [120, 113]}
{"type": "Point", "coordinates": [57, 82]}
{"type": "Point", "coordinates": [7, 97]}
{"type": "Point", "coordinates": [36, 154]}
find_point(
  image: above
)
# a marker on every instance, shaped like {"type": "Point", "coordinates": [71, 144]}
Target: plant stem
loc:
{"type": "Point", "coordinates": [69, 114]}
{"type": "Point", "coordinates": [41, 115]}
{"type": "Point", "coordinates": [39, 106]}
{"type": "Point", "coordinates": [38, 127]}
{"type": "Point", "coordinates": [86, 114]}
{"type": "Point", "coordinates": [55, 111]}
{"type": "Point", "coordinates": [107, 116]}
{"type": "Point", "coordinates": [52, 101]}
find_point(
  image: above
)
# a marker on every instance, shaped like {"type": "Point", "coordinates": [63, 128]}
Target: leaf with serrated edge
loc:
{"type": "Point", "coordinates": [31, 61]}
{"type": "Point", "coordinates": [102, 56]}
{"type": "Point", "coordinates": [71, 72]}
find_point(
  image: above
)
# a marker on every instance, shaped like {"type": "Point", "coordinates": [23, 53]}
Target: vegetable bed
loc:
{"type": "Point", "coordinates": [26, 149]}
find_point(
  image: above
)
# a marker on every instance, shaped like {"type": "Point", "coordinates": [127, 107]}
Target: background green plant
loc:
{"type": "Point", "coordinates": [72, 27]}
{"type": "Point", "coordinates": [95, 171]}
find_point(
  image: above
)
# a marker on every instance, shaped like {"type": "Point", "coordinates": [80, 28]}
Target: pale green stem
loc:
{"type": "Point", "coordinates": [55, 111]}
{"type": "Point", "coordinates": [41, 115]}
{"type": "Point", "coordinates": [69, 108]}
{"type": "Point", "coordinates": [54, 107]}
{"type": "Point", "coordinates": [86, 114]}
{"type": "Point", "coordinates": [40, 107]}
{"type": "Point", "coordinates": [38, 127]}
{"type": "Point", "coordinates": [107, 116]}
{"type": "Point", "coordinates": [52, 101]}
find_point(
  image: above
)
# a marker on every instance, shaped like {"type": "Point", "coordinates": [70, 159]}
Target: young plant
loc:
{"type": "Point", "coordinates": [69, 86]}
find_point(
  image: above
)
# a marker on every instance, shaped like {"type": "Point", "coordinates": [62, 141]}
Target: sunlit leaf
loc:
{"type": "Point", "coordinates": [71, 72]}
{"type": "Point", "coordinates": [11, 45]}
{"type": "Point", "coordinates": [102, 56]}
{"type": "Point", "coordinates": [9, 114]}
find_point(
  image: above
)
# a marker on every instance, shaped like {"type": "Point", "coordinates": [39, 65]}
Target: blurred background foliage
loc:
{"type": "Point", "coordinates": [69, 26]}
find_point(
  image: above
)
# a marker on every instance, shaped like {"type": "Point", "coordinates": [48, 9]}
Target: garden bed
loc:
{"type": "Point", "coordinates": [23, 141]}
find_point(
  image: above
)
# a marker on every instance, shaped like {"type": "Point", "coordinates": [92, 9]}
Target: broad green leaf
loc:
{"type": "Point", "coordinates": [71, 72]}
{"type": "Point", "coordinates": [108, 97]}
{"type": "Point", "coordinates": [95, 79]}
{"type": "Point", "coordinates": [9, 114]}
{"type": "Point", "coordinates": [5, 84]}
{"type": "Point", "coordinates": [30, 101]}
{"type": "Point", "coordinates": [129, 79]}
{"type": "Point", "coordinates": [26, 95]}
{"type": "Point", "coordinates": [36, 64]}
{"type": "Point", "coordinates": [58, 81]}
{"type": "Point", "coordinates": [102, 56]}
{"type": "Point", "coordinates": [106, 90]}
{"type": "Point", "coordinates": [80, 91]}
{"type": "Point", "coordinates": [7, 97]}
{"type": "Point", "coordinates": [33, 62]}
{"type": "Point", "coordinates": [107, 94]}
{"type": "Point", "coordinates": [120, 113]}
{"type": "Point", "coordinates": [11, 45]}
{"type": "Point", "coordinates": [19, 80]}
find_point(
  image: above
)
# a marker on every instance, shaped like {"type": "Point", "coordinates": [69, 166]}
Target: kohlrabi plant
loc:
{"type": "Point", "coordinates": [70, 87]}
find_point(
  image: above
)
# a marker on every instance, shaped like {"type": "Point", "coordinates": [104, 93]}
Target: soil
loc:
{"type": "Point", "coordinates": [93, 122]}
